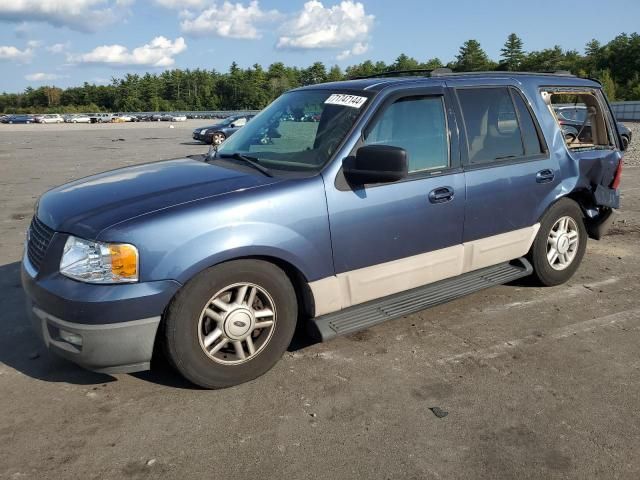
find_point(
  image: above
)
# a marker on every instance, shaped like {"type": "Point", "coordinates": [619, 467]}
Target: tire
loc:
{"type": "Point", "coordinates": [189, 323]}
{"type": "Point", "coordinates": [217, 138]}
{"type": "Point", "coordinates": [625, 142]}
{"type": "Point", "coordinates": [548, 269]}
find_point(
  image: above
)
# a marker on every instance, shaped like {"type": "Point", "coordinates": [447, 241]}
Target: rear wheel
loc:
{"type": "Point", "coordinates": [231, 323]}
{"type": "Point", "coordinates": [560, 243]}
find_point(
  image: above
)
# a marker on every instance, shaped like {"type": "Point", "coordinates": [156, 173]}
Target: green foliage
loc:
{"type": "Point", "coordinates": [472, 58]}
{"type": "Point", "coordinates": [616, 65]}
{"type": "Point", "coordinates": [512, 53]}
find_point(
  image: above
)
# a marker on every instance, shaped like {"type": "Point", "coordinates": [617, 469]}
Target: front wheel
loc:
{"type": "Point", "coordinates": [231, 323]}
{"type": "Point", "coordinates": [560, 243]}
{"type": "Point", "coordinates": [217, 138]}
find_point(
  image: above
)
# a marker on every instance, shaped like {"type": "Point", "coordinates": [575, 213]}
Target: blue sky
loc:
{"type": "Point", "coordinates": [68, 42]}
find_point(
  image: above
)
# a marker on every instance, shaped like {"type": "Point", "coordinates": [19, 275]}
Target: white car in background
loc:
{"type": "Point", "coordinates": [51, 118]}
{"type": "Point", "coordinates": [121, 117]}
{"type": "Point", "coordinates": [82, 118]}
{"type": "Point", "coordinates": [178, 118]}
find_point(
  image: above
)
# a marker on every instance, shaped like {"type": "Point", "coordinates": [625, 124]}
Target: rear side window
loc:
{"type": "Point", "coordinates": [497, 128]}
{"type": "Point", "coordinates": [532, 143]}
{"type": "Point", "coordinates": [418, 125]}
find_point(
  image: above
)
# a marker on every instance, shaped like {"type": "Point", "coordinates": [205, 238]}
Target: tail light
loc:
{"type": "Point", "coordinates": [617, 177]}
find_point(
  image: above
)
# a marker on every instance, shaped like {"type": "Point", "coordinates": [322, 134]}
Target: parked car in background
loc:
{"type": "Point", "coordinates": [100, 117]}
{"type": "Point", "coordinates": [18, 119]}
{"type": "Point", "coordinates": [216, 134]}
{"type": "Point", "coordinates": [576, 126]}
{"type": "Point", "coordinates": [121, 118]}
{"type": "Point", "coordinates": [38, 118]}
{"type": "Point", "coordinates": [80, 118]}
{"type": "Point", "coordinates": [51, 118]}
{"type": "Point", "coordinates": [178, 117]}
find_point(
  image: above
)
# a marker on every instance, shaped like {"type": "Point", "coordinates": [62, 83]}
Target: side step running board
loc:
{"type": "Point", "coordinates": [360, 317]}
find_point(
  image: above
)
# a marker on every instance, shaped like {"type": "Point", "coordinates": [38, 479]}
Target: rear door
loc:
{"type": "Point", "coordinates": [509, 173]}
{"type": "Point", "coordinates": [391, 237]}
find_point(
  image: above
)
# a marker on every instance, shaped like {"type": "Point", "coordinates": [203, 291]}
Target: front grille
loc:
{"type": "Point", "coordinates": [39, 238]}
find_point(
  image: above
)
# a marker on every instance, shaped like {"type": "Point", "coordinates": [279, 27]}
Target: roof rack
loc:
{"type": "Point", "coordinates": [398, 73]}
{"type": "Point", "coordinates": [447, 72]}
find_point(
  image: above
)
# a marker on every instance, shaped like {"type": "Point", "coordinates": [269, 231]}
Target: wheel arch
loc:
{"type": "Point", "coordinates": [299, 281]}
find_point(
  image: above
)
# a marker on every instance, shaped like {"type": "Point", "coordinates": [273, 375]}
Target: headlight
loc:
{"type": "Point", "coordinates": [98, 262]}
{"type": "Point", "coordinates": [203, 131]}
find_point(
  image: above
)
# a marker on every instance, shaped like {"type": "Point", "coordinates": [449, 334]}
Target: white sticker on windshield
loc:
{"type": "Point", "coordinates": [353, 101]}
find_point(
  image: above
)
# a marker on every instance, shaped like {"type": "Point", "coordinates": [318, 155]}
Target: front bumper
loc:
{"type": "Point", "coordinates": [117, 324]}
{"type": "Point", "coordinates": [123, 347]}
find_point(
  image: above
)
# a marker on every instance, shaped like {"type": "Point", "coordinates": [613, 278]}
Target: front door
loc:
{"type": "Point", "coordinates": [389, 238]}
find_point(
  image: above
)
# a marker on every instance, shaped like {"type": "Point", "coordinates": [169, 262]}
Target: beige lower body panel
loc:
{"type": "Point", "coordinates": [358, 286]}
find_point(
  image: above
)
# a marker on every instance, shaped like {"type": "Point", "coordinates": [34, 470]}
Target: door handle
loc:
{"type": "Point", "coordinates": [545, 176]}
{"type": "Point", "coordinates": [441, 195]}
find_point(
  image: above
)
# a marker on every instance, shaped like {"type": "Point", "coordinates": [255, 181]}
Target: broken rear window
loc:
{"type": "Point", "coordinates": [582, 118]}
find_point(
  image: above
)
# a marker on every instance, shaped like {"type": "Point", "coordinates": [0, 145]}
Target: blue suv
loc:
{"type": "Point", "coordinates": [408, 192]}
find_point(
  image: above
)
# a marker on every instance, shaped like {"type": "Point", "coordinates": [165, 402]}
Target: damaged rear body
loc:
{"type": "Point", "coordinates": [591, 148]}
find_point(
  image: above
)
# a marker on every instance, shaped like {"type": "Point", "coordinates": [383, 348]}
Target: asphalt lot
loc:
{"type": "Point", "coordinates": [537, 383]}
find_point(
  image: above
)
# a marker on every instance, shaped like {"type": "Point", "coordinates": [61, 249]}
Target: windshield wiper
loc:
{"type": "Point", "coordinates": [253, 161]}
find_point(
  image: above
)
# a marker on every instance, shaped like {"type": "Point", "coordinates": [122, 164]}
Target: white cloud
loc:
{"type": "Point", "coordinates": [157, 53]}
{"type": "Point", "coordinates": [182, 4]}
{"type": "Point", "coordinates": [232, 20]}
{"type": "Point", "coordinates": [82, 15]}
{"type": "Point", "coordinates": [12, 53]}
{"type": "Point", "coordinates": [57, 47]}
{"type": "Point", "coordinates": [345, 25]}
{"type": "Point", "coordinates": [34, 43]}
{"type": "Point", "coordinates": [358, 48]}
{"type": "Point", "coordinates": [42, 77]}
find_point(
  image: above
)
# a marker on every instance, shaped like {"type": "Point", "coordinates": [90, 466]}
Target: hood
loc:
{"type": "Point", "coordinates": [87, 206]}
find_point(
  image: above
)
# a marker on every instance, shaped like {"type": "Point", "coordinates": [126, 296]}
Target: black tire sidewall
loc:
{"type": "Point", "coordinates": [543, 271]}
{"type": "Point", "coordinates": [182, 343]}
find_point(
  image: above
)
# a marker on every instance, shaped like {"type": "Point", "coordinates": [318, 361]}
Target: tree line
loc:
{"type": "Point", "coordinates": [616, 65]}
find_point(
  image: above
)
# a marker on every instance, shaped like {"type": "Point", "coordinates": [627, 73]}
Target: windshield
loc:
{"type": "Point", "coordinates": [299, 131]}
{"type": "Point", "coordinates": [576, 114]}
{"type": "Point", "coordinates": [227, 121]}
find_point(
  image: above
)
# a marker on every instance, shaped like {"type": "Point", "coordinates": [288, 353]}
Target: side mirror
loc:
{"type": "Point", "coordinates": [376, 164]}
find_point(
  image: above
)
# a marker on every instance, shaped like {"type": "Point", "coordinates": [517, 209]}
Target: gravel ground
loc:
{"type": "Point", "coordinates": [537, 383]}
{"type": "Point", "coordinates": [632, 156]}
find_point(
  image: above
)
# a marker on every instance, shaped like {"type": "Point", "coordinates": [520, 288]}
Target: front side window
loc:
{"type": "Point", "coordinates": [418, 125]}
{"type": "Point", "coordinates": [299, 131]}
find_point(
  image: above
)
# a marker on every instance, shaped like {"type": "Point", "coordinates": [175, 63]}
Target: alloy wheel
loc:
{"type": "Point", "coordinates": [237, 323]}
{"type": "Point", "coordinates": [562, 243]}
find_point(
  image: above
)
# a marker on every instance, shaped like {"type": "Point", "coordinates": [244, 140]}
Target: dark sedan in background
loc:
{"type": "Point", "coordinates": [575, 126]}
{"type": "Point", "coordinates": [18, 119]}
{"type": "Point", "coordinates": [216, 134]}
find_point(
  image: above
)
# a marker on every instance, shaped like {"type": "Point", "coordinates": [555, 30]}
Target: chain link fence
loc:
{"type": "Point", "coordinates": [626, 111]}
